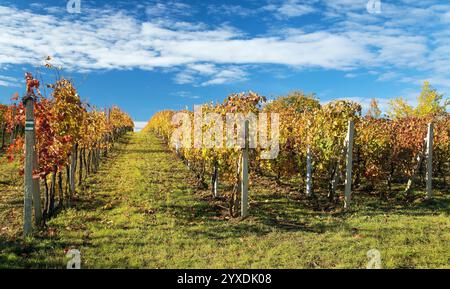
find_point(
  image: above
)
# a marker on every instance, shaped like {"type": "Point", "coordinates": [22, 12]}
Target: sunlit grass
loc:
{"type": "Point", "coordinates": [141, 210]}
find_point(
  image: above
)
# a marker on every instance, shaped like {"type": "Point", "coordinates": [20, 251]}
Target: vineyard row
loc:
{"type": "Point", "coordinates": [312, 140]}
{"type": "Point", "coordinates": [60, 141]}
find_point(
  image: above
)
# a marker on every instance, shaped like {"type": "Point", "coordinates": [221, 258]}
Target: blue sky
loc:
{"type": "Point", "coordinates": [150, 55]}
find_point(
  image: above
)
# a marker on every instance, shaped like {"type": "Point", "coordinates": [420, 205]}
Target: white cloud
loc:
{"type": "Point", "coordinates": [204, 55]}
{"type": "Point", "coordinates": [196, 73]}
{"type": "Point", "coordinates": [184, 77]}
{"type": "Point", "coordinates": [186, 94]}
{"type": "Point", "coordinates": [139, 125]}
{"type": "Point", "coordinates": [446, 17]}
{"type": "Point", "coordinates": [203, 68]}
{"type": "Point", "coordinates": [290, 8]}
{"type": "Point", "coordinates": [9, 81]}
{"type": "Point", "coordinates": [388, 76]}
{"type": "Point", "coordinates": [233, 10]}
{"type": "Point", "coordinates": [231, 74]}
{"type": "Point", "coordinates": [163, 9]}
{"type": "Point", "coordinates": [439, 81]}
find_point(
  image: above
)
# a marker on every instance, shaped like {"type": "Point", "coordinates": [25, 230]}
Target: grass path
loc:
{"type": "Point", "coordinates": [141, 210]}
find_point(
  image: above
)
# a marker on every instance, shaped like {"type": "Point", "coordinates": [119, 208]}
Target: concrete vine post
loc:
{"type": "Point", "coordinates": [429, 154]}
{"type": "Point", "coordinates": [215, 180]}
{"type": "Point", "coordinates": [309, 168]}
{"type": "Point", "coordinates": [349, 167]}
{"type": "Point", "coordinates": [36, 189]}
{"type": "Point", "coordinates": [309, 191]}
{"type": "Point", "coordinates": [31, 191]}
{"type": "Point", "coordinates": [244, 182]}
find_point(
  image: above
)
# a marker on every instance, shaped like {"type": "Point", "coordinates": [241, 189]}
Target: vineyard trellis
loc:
{"type": "Point", "coordinates": [56, 138]}
{"type": "Point", "coordinates": [327, 143]}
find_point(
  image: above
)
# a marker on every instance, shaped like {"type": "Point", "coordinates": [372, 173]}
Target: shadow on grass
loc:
{"type": "Point", "coordinates": [142, 152]}
{"type": "Point", "coordinates": [31, 254]}
{"type": "Point", "coordinates": [210, 219]}
{"type": "Point", "coordinates": [440, 204]}
{"type": "Point", "coordinates": [7, 182]}
{"type": "Point", "coordinates": [285, 212]}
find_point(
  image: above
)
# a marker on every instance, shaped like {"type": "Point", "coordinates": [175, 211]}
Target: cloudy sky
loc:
{"type": "Point", "coordinates": [150, 55]}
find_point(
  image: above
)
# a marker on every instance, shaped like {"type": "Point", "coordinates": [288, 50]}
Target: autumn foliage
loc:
{"type": "Point", "coordinates": [68, 133]}
{"type": "Point", "coordinates": [386, 150]}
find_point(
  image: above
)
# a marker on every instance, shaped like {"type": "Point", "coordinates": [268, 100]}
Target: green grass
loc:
{"type": "Point", "coordinates": [141, 210]}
